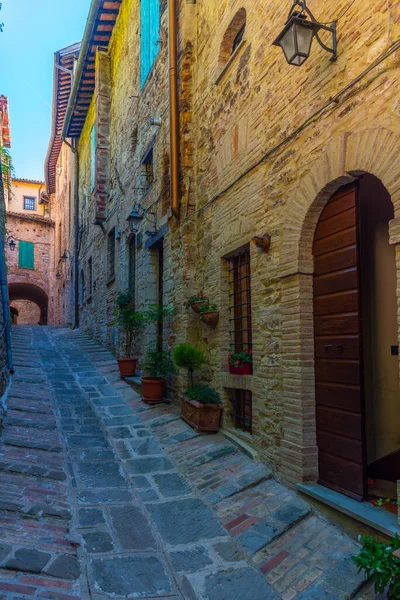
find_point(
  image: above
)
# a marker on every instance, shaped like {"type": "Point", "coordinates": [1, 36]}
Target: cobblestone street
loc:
{"type": "Point", "coordinates": [104, 497]}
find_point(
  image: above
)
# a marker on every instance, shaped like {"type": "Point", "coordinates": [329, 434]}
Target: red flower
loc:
{"type": "Point", "coordinates": [250, 351]}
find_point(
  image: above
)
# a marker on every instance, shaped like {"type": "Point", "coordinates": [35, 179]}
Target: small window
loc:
{"type": "Point", "coordinates": [90, 276]}
{"type": "Point", "coordinates": [240, 302]}
{"type": "Point", "coordinates": [26, 255]}
{"type": "Point", "coordinates": [29, 203]}
{"type": "Point", "coordinates": [243, 411]}
{"type": "Point", "coordinates": [147, 164]}
{"type": "Point", "coordinates": [93, 157]}
{"type": "Point", "coordinates": [233, 37]}
{"type": "Point", "coordinates": [238, 38]}
{"type": "Point", "coordinates": [111, 254]}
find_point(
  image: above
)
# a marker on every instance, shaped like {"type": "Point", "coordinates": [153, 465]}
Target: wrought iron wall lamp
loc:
{"type": "Point", "coordinates": [296, 37]}
{"type": "Point", "coordinates": [136, 217]}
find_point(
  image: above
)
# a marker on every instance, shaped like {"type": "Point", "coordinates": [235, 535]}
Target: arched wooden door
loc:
{"type": "Point", "coordinates": [338, 347]}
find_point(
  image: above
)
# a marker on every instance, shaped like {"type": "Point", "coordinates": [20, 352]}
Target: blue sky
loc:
{"type": "Point", "coordinates": [33, 31]}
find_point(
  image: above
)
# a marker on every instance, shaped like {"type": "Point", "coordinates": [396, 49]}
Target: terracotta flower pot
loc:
{"type": "Point", "coordinates": [153, 389]}
{"type": "Point", "coordinates": [243, 369]}
{"type": "Point", "coordinates": [210, 318]}
{"type": "Point", "coordinates": [196, 306]}
{"type": "Point", "coordinates": [127, 366]}
{"type": "Point", "coordinates": [202, 417]}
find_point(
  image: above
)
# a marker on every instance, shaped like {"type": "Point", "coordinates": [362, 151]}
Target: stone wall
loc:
{"type": "Point", "coordinates": [62, 213]}
{"type": "Point", "coordinates": [28, 312]}
{"type": "Point", "coordinates": [263, 146]}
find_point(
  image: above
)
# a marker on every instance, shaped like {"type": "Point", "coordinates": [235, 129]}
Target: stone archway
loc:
{"type": "Point", "coordinates": [33, 293]}
{"type": "Point", "coordinates": [346, 157]}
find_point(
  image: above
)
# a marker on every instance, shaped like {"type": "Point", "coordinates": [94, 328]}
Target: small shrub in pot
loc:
{"type": "Point", "coordinates": [378, 561]}
{"type": "Point", "coordinates": [159, 365]}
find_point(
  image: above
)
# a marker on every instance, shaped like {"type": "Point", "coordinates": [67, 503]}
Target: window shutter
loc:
{"type": "Point", "coordinates": [144, 40]}
{"type": "Point", "coordinates": [93, 157]}
{"type": "Point", "coordinates": [154, 30]}
{"type": "Point", "coordinates": [26, 253]}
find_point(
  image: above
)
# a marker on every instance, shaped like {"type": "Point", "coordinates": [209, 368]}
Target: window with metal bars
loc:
{"type": "Point", "coordinates": [240, 301]}
{"type": "Point", "coordinates": [243, 413]}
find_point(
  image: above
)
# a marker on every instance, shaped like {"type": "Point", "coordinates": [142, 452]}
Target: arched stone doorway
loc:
{"type": "Point", "coordinates": [32, 293]}
{"type": "Point", "coordinates": [344, 160]}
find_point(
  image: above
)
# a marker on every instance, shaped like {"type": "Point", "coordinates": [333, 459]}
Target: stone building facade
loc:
{"type": "Point", "coordinates": [264, 147]}
{"type": "Point", "coordinates": [5, 143]}
{"type": "Point", "coordinates": [31, 264]}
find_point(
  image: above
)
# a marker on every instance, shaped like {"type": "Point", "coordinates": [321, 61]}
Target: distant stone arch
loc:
{"type": "Point", "coordinates": [33, 293]}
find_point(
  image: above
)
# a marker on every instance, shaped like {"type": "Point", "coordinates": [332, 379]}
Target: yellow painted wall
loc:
{"type": "Point", "coordinates": [19, 189]}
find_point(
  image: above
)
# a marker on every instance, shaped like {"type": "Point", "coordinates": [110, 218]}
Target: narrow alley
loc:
{"type": "Point", "coordinates": [103, 497]}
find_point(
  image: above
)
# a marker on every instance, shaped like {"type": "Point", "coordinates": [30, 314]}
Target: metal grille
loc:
{"type": "Point", "coordinates": [240, 302]}
{"type": "Point", "coordinates": [243, 414]}
{"type": "Point", "coordinates": [111, 254]}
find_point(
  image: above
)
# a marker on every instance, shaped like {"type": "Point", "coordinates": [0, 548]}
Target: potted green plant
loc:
{"type": "Point", "coordinates": [196, 301]}
{"type": "Point", "coordinates": [131, 322]}
{"type": "Point", "coordinates": [209, 314]}
{"type": "Point", "coordinates": [159, 365]}
{"type": "Point", "coordinates": [240, 363]}
{"type": "Point", "coordinates": [380, 561]}
{"type": "Point", "coordinates": [201, 405]}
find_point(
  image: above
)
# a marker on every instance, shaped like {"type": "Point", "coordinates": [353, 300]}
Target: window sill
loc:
{"type": "Point", "coordinates": [230, 61]}
{"type": "Point", "coordinates": [238, 382]}
{"type": "Point", "coordinates": [110, 281]}
{"type": "Point", "coordinates": [242, 439]}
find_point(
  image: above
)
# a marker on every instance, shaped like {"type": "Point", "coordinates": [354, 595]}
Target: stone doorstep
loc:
{"type": "Point", "coordinates": [366, 513]}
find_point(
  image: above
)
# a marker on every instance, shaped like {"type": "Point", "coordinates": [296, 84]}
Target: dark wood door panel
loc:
{"type": "Point", "coordinates": [336, 395]}
{"type": "Point", "coordinates": [337, 347]}
{"type": "Point", "coordinates": [341, 204]}
{"type": "Point", "coordinates": [337, 260]}
{"type": "Point", "coordinates": [342, 239]}
{"type": "Point", "coordinates": [337, 223]}
{"type": "Point", "coordinates": [342, 475]}
{"type": "Point", "coordinates": [338, 281]}
{"type": "Point", "coordinates": [338, 371]}
{"type": "Point", "coordinates": [338, 356]}
{"type": "Point", "coordinates": [343, 423]}
{"type": "Point", "coordinates": [341, 446]}
{"type": "Point", "coordinates": [337, 324]}
{"type": "Point", "coordinates": [342, 302]}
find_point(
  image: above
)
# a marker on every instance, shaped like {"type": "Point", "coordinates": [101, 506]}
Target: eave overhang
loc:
{"type": "Point", "coordinates": [64, 61]}
{"type": "Point", "coordinates": [99, 28]}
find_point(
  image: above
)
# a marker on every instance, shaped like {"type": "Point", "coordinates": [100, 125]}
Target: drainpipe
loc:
{"type": "Point", "coordinates": [4, 293]}
{"type": "Point", "coordinates": [76, 231]}
{"type": "Point", "coordinates": [173, 107]}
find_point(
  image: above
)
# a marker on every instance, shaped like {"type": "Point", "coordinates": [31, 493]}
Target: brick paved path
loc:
{"type": "Point", "coordinates": [103, 497]}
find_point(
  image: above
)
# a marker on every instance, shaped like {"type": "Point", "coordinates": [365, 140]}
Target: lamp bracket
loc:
{"type": "Point", "coordinates": [302, 4]}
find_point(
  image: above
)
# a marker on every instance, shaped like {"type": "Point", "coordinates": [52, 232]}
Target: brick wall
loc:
{"type": "Point", "coordinates": [4, 375]}
{"type": "Point", "coordinates": [254, 160]}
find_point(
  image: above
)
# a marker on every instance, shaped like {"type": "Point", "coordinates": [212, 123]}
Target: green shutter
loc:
{"type": "Point", "coordinates": [144, 40]}
{"type": "Point", "coordinates": [149, 36]}
{"type": "Point", "coordinates": [26, 254]}
{"type": "Point", "coordinates": [154, 30]}
{"type": "Point", "coordinates": [93, 157]}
